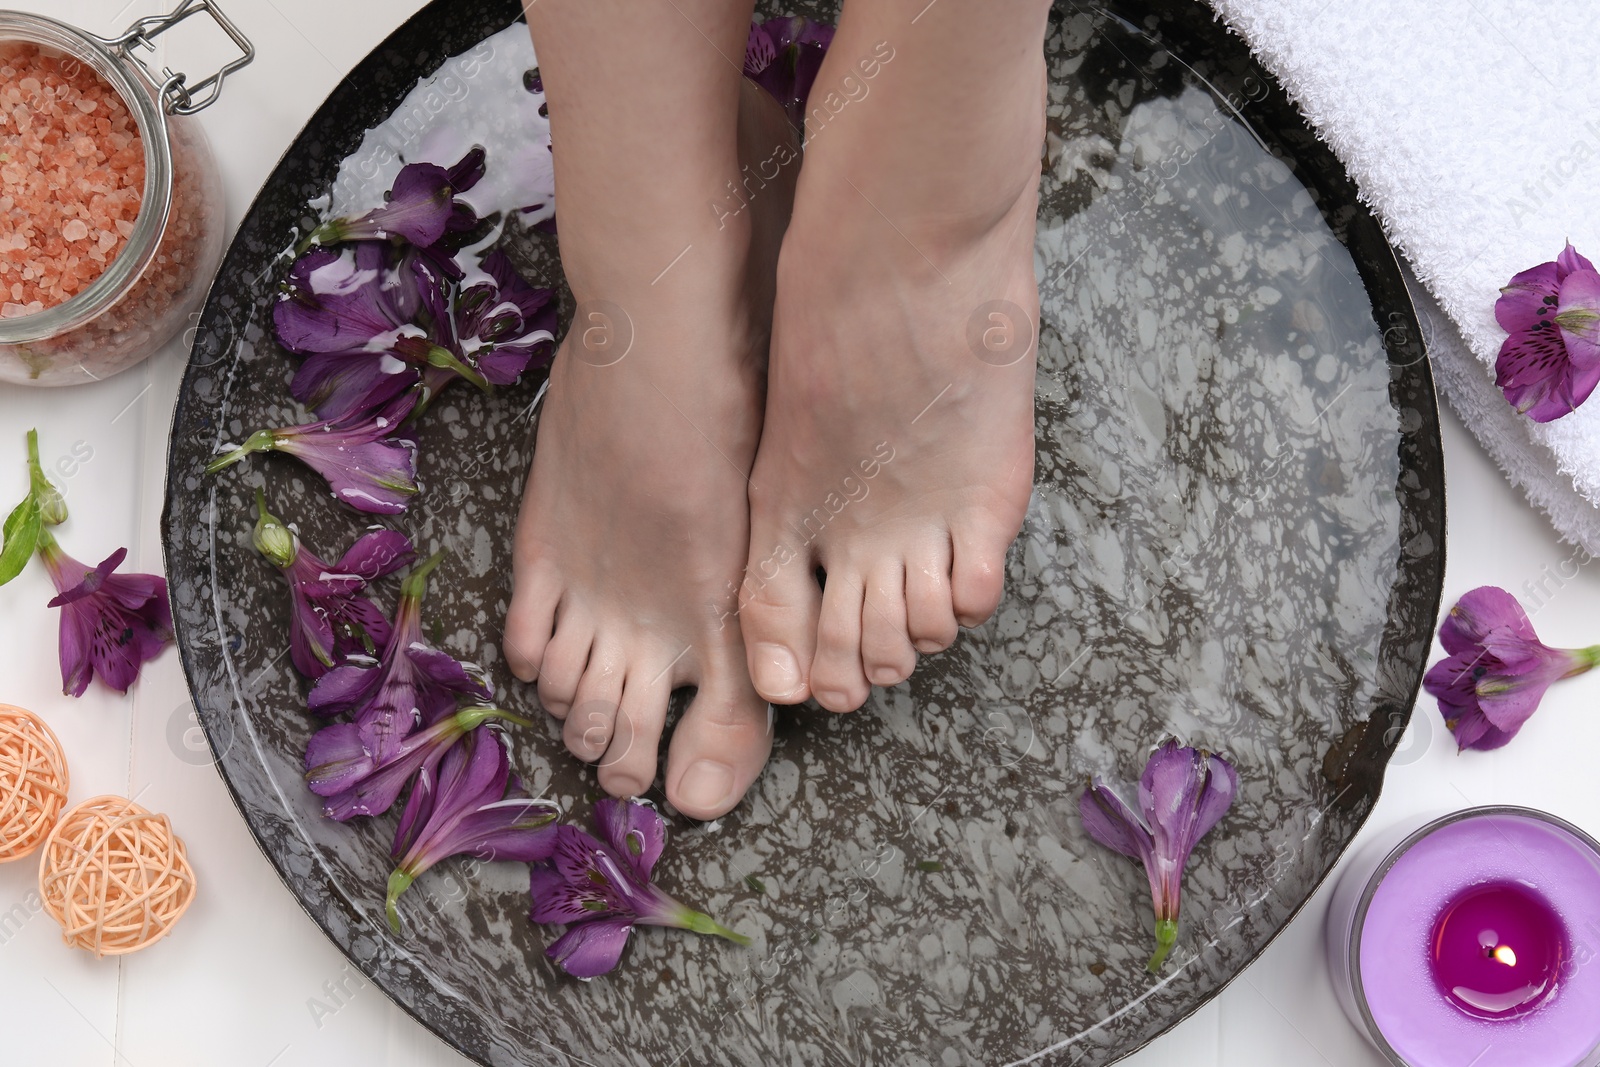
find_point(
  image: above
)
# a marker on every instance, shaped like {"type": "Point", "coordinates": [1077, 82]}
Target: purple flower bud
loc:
{"type": "Point", "coordinates": [330, 619]}
{"type": "Point", "coordinates": [1497, 670]}
{"type": "Point", "coordinates": [1183, 793]}
{"type": "Point", "coordinates": [1550, 362]}
{"type": "Point", "coordinates": [601, 888]}
{"type": "Point", "coordinates": [111, 624]}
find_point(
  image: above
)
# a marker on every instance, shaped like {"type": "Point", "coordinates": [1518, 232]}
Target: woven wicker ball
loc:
{"type": "Point", "coordinates": [114, 876]}
{"type": "Point", "coordinates": [33, 782]}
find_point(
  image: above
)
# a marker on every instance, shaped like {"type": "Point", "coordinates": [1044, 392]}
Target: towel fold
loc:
{"type": "Point", "coordinates": [1472, 128]}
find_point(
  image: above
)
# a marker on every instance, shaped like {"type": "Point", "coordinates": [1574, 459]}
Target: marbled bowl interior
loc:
{"type": "Point", "coordinates": [1236, 536]}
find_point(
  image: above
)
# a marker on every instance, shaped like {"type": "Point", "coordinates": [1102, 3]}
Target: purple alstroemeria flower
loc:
{"type": "Point", "coordinates": [357, 315]}
{"type": "Point", "coordinates": [601, 888]}
{"type": "Point", "coordinates": [783, 56]}
{"type": "Point", "coordinates": [493, 322]}
{"type": "Point", "coordinates": [330, 620]}
{"type": "Point", "coordinates": [1497, 670]}
{"type": "Point", "coordinates": [421, 207]}
{"type": "Point", "coordinates": [1182, 794]}
{"type": "Point", "coordinates": [354, 780]}
{"type": "Point", "coordinates": [413, 685]}
{"type": "Point", "coordinates": [466, 809]}
{"type": "Point", "coordinates": [1550, 363]}
{"type": "Point", "coordinates": [365, 464]}
{"type": "Point", "coordinates": [111, 624]}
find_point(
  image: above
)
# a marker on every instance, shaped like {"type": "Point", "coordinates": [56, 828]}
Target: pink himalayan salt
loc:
{"type": "Point", "coordinates": [72, 164]}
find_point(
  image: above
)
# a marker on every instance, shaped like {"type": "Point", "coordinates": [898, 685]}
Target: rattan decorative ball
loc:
{"type": "Point", "coordinates": [33, 782]}
{"type": "Point", "coordinates": [114, 876]}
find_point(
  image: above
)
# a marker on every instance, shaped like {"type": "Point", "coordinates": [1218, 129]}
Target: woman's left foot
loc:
{"type": "Point", "coordinates": [897, 449]}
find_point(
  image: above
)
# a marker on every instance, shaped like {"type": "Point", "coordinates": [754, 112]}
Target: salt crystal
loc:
{"type": "Point", "coordinates": [71, 171]}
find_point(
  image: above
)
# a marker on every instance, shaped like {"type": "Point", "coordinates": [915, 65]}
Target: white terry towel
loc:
{"type": "Point", "coordinates": [1472, 128]}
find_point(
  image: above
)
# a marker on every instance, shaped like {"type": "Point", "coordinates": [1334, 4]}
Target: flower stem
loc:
{"type": "Point", "coordinates": [446, 360]}
{"type": "Point", "coordinates": [1589, 657]}
{"type": "Point", "coordinates": [52, 505]}
{"type": "Point", "coordinates": [260, 441]}
{"type": "Point", "coordinates": [701, 923]}
{"type": "Point", "coordinates": [475, 715]}
{"type": "Point", "coordinates": [399, 882]}
{"type": "Point", "coordinates": [1166, 937]}
{"type": "Point", "coordinates": [416, 583]}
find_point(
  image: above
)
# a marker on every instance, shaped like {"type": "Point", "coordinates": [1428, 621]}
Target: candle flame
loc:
{"type": "Point", "coordinates": [1505, 955]}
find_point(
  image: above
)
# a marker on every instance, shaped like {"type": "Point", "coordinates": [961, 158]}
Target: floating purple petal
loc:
{"type": "Point", "coordinates": [783, 55]}
{"type": "Point", "coordinates": [467, 810]}
{"type": "Point", "coordinates": [355, 780]}
{"type": "Point", "coordinates": [602, 889]}
{"type": "Point", "coordinates": [1183, 793]}
{"type": "Point", "coordinates": [359, 298]}
{"type": "Point", "coordinates": [420, 208]}
{"type": "Point", "coordinates": [330, 619]}
{"type": "Point", "coordinates": [413, 685]}
{"type": "Point", "coordinates": [364, 463]}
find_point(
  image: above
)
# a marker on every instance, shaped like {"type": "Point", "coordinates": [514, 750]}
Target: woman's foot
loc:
{"type": "Point", "coordinates": [634, 521]}
{"type": "Point", "coordinates": [897, 452]}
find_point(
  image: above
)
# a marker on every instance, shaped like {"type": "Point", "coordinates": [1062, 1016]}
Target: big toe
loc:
{"type": "Point", "coordinates": [718, 747]}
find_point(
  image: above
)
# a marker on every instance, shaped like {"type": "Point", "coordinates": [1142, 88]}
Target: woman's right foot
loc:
{"type": "Point", "coordinates": [634, 522]}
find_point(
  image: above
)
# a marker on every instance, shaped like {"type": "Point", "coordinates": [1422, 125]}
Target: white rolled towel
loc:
{"type": "Point", "coordinates": [1472, 128]}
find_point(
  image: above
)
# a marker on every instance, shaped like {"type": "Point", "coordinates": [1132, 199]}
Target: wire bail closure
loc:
{"type": "Point", "coordinates": [178, 97]}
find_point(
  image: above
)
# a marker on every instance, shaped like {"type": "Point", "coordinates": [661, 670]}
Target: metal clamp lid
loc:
{"type": "Point", "coordinates": [178, 97]}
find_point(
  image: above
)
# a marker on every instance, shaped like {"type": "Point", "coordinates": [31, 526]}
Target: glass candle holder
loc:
{"type": "Point", "coordinates": [1469, 939]}
{"type": "Point", "coordinates": [146, 293]}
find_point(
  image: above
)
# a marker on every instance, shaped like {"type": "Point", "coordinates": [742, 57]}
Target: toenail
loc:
{"type": "Point", "coordinates": [777, 672]}
{"type": "Point", "coordinates": [926, 645]}
{"type": "Point", "coordinates": [886, 676]}
{"type": "Point", "coordinates": [706, 785]}
{"type": "Point", "coordinates": [831, 698]}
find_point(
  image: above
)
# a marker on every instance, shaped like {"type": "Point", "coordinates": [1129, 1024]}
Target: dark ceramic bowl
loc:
{"type": "Point", "coordinates": [1236, 536]}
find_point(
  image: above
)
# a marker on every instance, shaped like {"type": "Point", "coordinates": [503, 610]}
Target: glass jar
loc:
{"type": "Point", "coordinates": [159, 277]}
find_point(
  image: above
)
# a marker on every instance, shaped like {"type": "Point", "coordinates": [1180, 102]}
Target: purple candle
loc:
{"type": "Point", "coordinates": [1498, 950]}
{"type": "Point", "coordinates": [1470, 942]}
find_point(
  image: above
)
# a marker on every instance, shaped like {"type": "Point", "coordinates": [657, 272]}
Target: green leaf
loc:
{"type": "Point", "coordinates": [21, 534]}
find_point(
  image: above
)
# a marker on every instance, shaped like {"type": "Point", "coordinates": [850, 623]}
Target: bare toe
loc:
{"type": "Point", "coordinates": [530, 620]}
{"type": "Point", "coordinates": [837, 680]}
{"type": "Point", "coordinates": [778, 608]}
{"type": "Point", "coordinates": [886, 652]}
{"type": "Point", "coordinates": [718, 747]}
{"type": "Point", "coordinates": [565, 658]}
{"type": "Point", "coordinates": [589, 725]}
{"type": "Point", "coordinates": [930, 619]}
{"type": "Point", "coordinates": [977, 575]}
{"type": "Point", "coordinates": [629, 766]}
